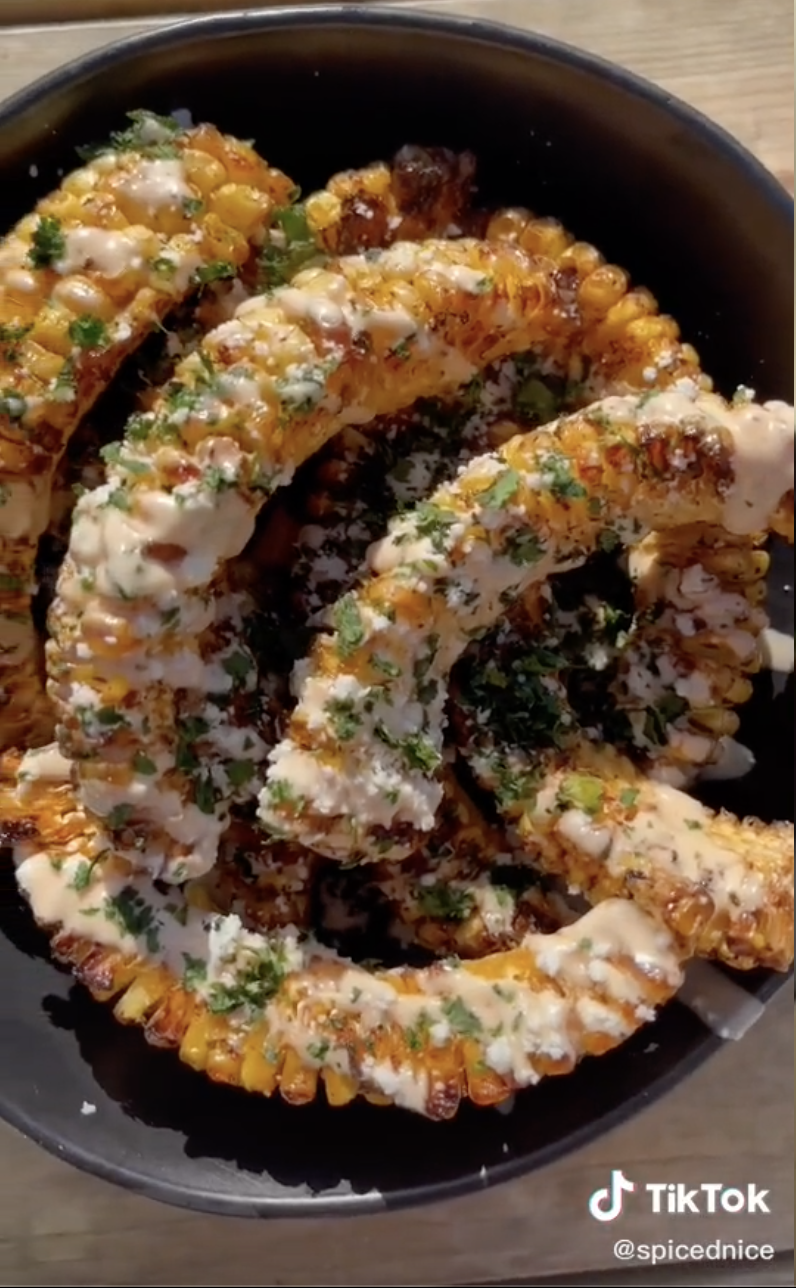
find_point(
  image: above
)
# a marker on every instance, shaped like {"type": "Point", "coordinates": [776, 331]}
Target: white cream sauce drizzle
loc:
{"type": "Point", "coordinates": [157, 184]}
{"type": "Point", "coordinates": [111, 252]}
{"type": "Point", "coordinates": [671, 830]}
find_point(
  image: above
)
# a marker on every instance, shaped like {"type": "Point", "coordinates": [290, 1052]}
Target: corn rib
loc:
{"type": "Point", "coordinates": [698, 599]}
{"type": "Point", "coordinates": [83, 279]}
{"type": "Point", "coordinates": [275, 1012]}
{"type": "Point", "coordinates": [722, 887]}
{"type": "Point", "coordinates": [261, 395]}
{"type": "Point", "coordinates": [449, 568]}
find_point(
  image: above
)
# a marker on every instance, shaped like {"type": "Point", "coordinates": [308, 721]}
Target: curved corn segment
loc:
{"type": "Point", "coordinates": [83, 279]}
{"type": "Point", "coordinates": [263, 392]}
{"type": "Point", "coordinates": [449, 568]}
{"type": "Point", "coordinates": [276, 1012]}
{"type": "Point", "coordinates": [420, 193]}
{"type": "Point", "coordinates": [615, 337]}
{"type": "Point", "coordinates": [698, 597]}
{"type": "Point", "coordinates": [722, 887]}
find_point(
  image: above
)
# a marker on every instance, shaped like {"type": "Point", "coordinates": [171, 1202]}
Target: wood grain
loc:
{"type": "Point", "coordinates": [732, 1122]}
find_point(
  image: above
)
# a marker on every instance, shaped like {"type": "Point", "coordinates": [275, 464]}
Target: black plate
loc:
{"type": "Point", "coordinates": [659, 190]}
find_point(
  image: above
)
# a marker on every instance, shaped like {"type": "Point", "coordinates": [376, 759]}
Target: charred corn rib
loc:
{"type": "Point", "coordinates": [614, 337]}
{"type": "Point", "coordinates": [275, 1012]}
{"type": "Point", "coordinates": [421, 193]}
{"type": "Point", "coordinates": [723, 888]}
{"type": "Point", "coordinates": [82, 280]}
{"type": "Point", "coordinates": [698, 593]}
{"type": "Point", "coordinates": [264, 391]}
{"type": "Point", "coordinates": [449, 567]}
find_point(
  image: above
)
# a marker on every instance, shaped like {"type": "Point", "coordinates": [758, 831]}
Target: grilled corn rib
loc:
{"type": "Point", "coordinates": [615, 338]}
{"type": "Point", "coordinates": [449, 567]}
{"type": "Point", "coordinates": [262, 393]}
{"type": "Point", "coordinates": [83, 279]}
{"type": "Point", "coordinates": [421, 193]}
{"type": "Point", "coordinates": [698, 593]}
{"type": "Point", "coordinates": [275, 1012]}
{"type": "Point", "coordinates": [723, 888]}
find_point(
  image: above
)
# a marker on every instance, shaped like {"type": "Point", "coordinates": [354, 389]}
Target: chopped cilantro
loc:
{"type": "Point", "coordinates": [110, 717]}
{"type": "Point", "coordinates": [461, 1019]}
{"type": "Point", "coordinates": [278, 263]}
{"type": "Point", "coordinates": [282, 792]}
{"type": "Point", "coordinates": [535, 401]}
{"type": "Point", "coordinates": [523, 548]}
{"type": "Point", "coordinates": [48, 243]}
{"type": "Point", "coordinates": [608, 540]}
{"type": "Point", "coordinates": [163, 266]}
{"type": "Point", "coordinates": [239, 666]}
{"type": "Point", "coordinates": [217, 270]}
{"type": "Point", "coordinates": [501, 491]}
{"type": "Point", "coordinates": [194, 972]}
{"type": "Point", "coordinates": [82, 878]}
{"type": "Point", "coordinates": [387, 667]}
{"type": "Point", "coordinates": [64, 387]}
{"type": "Point", "coordinates": [119, 499]}
{"type": "Point", "coordinates": [145, 135]}
{"type": "Point", "coordinates": [254, 987]}
{"type": "Point", "coordinates": [435, 523]}
{"type": "Point", "coordinates": [119, 817]}
{"type": "Point", "coordinates": [239, 772]}
{"type": "Point", "coordinates": [134, 916]}
{"type": "Point", "coordinates": [349, 626]}
{"type": "Point", "coordinates": [417, 751]}
{"type": "Point", "coordinates": [88, 331]}
{"type": "Point", "coordinates": [445, 902]}
{"type": "Point", "coordinates": [204, 795]}
{"type": "Point", "coordinates": [192, 206]}
{"type": "Point", "coordinates": [628, 797]}
{"type": "Point", "coordinates": [11, 337]}
{"type": "Point", "coordinates": [318, 1050]}
{"type": "Point", "coordinates": [418, 1033]}
{"type": "Point", "coordinates": [581, 791]}
{"type": "Point", "coordinates": [668, 710]}
{"type": "Point", "coordinates": [693, 824]}
{"type": "Point", "coordinates": [143, 765]}
{"type": "Point", "coordinates": [557, 473]}
{"type": "Point", "coordinates": [343, 717]}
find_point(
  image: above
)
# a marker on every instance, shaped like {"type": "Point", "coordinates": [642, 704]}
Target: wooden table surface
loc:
{"type": "Point", "coordinates": [732, 1122]}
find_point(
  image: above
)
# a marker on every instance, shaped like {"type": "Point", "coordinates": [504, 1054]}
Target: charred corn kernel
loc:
{"type": "Point", "coordinates": [83, 280]}
{"type": "Point", "coordinates": [340, 1089]}
{"type": "Point", "coordinates": [538, 505]}
{"type": "Point", "coordinates": [258, 1071]}
{"type": "Point", "coordinates": [421, 193]}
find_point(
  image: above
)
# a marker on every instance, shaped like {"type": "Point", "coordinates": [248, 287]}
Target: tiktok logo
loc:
{"type": "Point", "coordinates": [606, 1204]}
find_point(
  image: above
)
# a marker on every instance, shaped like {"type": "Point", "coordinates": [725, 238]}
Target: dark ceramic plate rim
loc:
{"type": "Point", "coordinates": [102, 61]}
